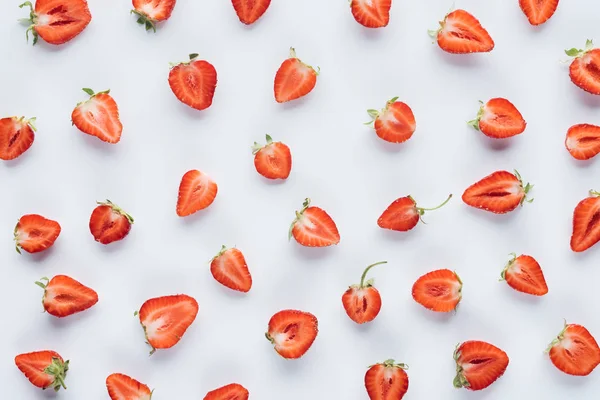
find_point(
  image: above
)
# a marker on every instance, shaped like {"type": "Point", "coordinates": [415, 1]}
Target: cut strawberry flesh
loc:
{"type": "Point", "coordinates": [44, 369]}
{"type": "Point", "coordinates": [462, 33]}
{"type": "Point", "coordinates": [35, 233]}
{"type": "Point", "coordinates": [386, 381]}
{"type": "Point", "coordinates": [194, 83]}
{"type": "Point", "coordinates": [438, 290]}
{"type": "Point", "coordinates": [500, 192]}
{"type": "Point", "coordinates": [122, 387]}
{"type": "Point", "coordinates": [230, 269]}
{"type": "Point", "coordinates": [233, 391]}
{"type": "Point", "coordinates": [583, 141]}
{"type": "Point", "coordinates": [294, 79]}
{"type": "Point", "coordinates": [249, 11]}
{"type": "Point", "coordinates": [99, 116]}
{"type": "Point", "coordinates": [585, 71]}
{"type": "Point", "coordinates": [478, 365]}
{"type": "Point", "coordinates": [16, 137]}
{"type": "Point", "coordinates": [575, 351]}
{"type": "Point", "coordinates": [371, 13]}
{"type": "Point", "coordinates": [197, 191]}
{"type": "Point", "coordinates": [292, 332]}
{"type": "Point", "coordinates": [586, 223]}
{"type": "Point", "coordinates": [538, 11]}
{"type": "Point", "coordinates": [58, 21]}
{"type": "Point", "coordinates": [315, 228]}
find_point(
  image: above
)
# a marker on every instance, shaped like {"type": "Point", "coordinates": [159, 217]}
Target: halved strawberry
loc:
{"type": "Point", "coordinates": [583, 141]}
{"type": "Point", "coordinates": [34, 233]}
{"type": "Point", "coordinates": [16, 136]}
{"type": "Point", "coordinates": [386, 381]}
{"type": "Point", "coordinates": [109, 223]}
{"type": "Point", "coordinates": [313, 227]}
{"type": "Point", "coordinates": [395, 123]}
{"type": "Point", "coordinates": [57, 21]}
{"type": "Point", "coordinates": [149, 12]}
{"type": "Point", "coordinates": [461, 33]}
{"type": "Point", "coordinates": [403, 214]}
{"type": "Point", "coordinates": [523, 273]}
{"type": "Point", "coordinates": [500, 192]}
{"type": "Point", "coordinates": [194, 82]}
{"type": "Point", "coordinates": [294, 79]}
{"type": "Point", "coordinates": [249, 11]}
{"type": "Point", "coordinates": [166, 319]}
{"type": "Point", "coordinates": [292, 332]}
{"type": "Point", "coordinates": [586, 223]}
{"type": "Point", "coordinates": [98, 116]}
{"type": "Point", "coordinates": [122, 387]}
{"type": "Point", "coordinates": [371, 13]}
{"type": "Point", "coordinates": [478, 365]}
{"type": "Point", "coordinates": [499, 119]}
{"type": "Point", "coordinates": [229, 268]}
{"type": "Point", "coordinates": [584, 70]}
{"type": "Point", "coordinates": [233, 391]}
{"type": "Point", "coordinates": [44, 369]}
{"type": "Point", "coordinates": [197, 191]}
{"type": "Point", "coordinates": [273, 160]}
{"type": "Point", "coordinates": [538, 11]}
{"type": "Point", "coordinates": [64, 296]}
{"type": "Point", "coordinates": [574, 351]}
{"type": "Point", "coordinates": [363, 302]}
{"type": "Point", "coordinates": [439, 290]}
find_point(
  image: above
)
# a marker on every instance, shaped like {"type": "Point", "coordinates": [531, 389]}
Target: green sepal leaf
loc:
{"type": "Point", "coordinates": [88, 91]}
{"type": "Point", "coordinates": [193, 56]}
{"type": "Point", "coordinates": [572, 52]}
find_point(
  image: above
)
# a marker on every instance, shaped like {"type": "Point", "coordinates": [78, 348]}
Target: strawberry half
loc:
{"type": "Point", "coordinates": [16, 136]}
{"type": "Point", "coordinates": [197, 191]}
{"type": "Point", "coordinates": [386, 381]}
{"type": "Point", "coordinates": [313, 227]}
{"type": "Point", "coordinates": [194, 82]}
{"type": "Point", "coordinates": [64, 296]}
{"type": "Point", "coordinates": [294, 79]}
{"type": "Point", "coordinates": [34, 233]}
{"type": "Point", "coordinates": [439, 290]}
{"type": "Point", "coordinates": [166, 319]}
{"type": "Point", "coordinates": [44, 369]}
{"type": "Point", "coordinates": [149, 12]}
{"type": "Point", "coordinates": [292, 332]}
{"type": "Point", "coordinates": [122, 387]}
{"type": "Point", "coordinates": [109, 223]}
{"type": "Point", "coordinates": [249, 11]}
{"type": "Point", "coordinates": [229, 268]}
{"type": "Point", "coordinates": [461, 33]}
{"type": "Point", "coordinates": [273, 160]}
{"type": "Point", "coordinates": [523, 273]}
{"type": "Point", "coordinates": [586, 223]}
{"type": "Point", "coordinates": [363, 302]}
{"type": "Point", "coordinates": [500, 192]}
{"type": "Point", "coordinates": [499, 119]}
{"type": "Point", "coordinates": [583, 141]}
{"type": "Point", "coordinates": [583, 70]}
{"type": "Point", "coordinates": [56, 21]}
{"type": "Point", "coordinates": [98, 116]}
{"type": "Point", "coordinates": [371, 13]}
{"type": "Point", "coordinates": [233, 391]}
{"type": "Point", "coordinates": [574, 351]}
{"type": "Point", "coordinates": [538, 11]}
{"type": "Point", "coordinates": [478, 365]}
{"type": "Point", "coordinates": [395, 123]}
{"type": "Point", "coordinates": [403, 214]}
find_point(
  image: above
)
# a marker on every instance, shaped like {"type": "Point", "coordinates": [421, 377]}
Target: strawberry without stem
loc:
{"type": "Point", "coordinates": [34, 233]}
{"type": "Point", "coordinates": [249, 11]}
{"type": "Point", "coordinates": [229, 268]}
{"type": "Point", "coordinates": [98, 116]}
{"type": "Point", "coordinates": [233, 391]}
{"type": "Point", "coordinates": [403, 214]}
{"type": "Point", "coordinates": [584, 69]}
{"type": "Point", "coordinates": [122, 387]}
{"type": "Point", "coordinates": [363, 302]}
{"type": "Point", "coordinates": [292, 332]}
{"type": "Point", "coordinates": [166, 319]}
{"type": "Point", "coordinates": [194, 82]}
{"type": "Point", "coordinates": [109, 223]}
{"type": "Point", "coordinates": [386, 381]}
{"type": "Point", "coordinates": [500, 192]}
{"type": "Point", "coordinates": [294, 79]}
{"type": "Point", "coordinates": [16, 136]}
{"type": "Point", "coordinates": [313, 227]}
{"type": "Point", "coordinates": [56, 21]}
{"type": "Point", "coordinates": [44, 369]}
{"type": "Point", "coordinates": [371, 13]}
{"type": "Point", "coordinates": [523, 273]}
{"type": "Point", "coordinates": [499, 119]}
{"type": "Point", "coordinates": [273, 160]}
{"type": "Point", "coordinates": [478, 365]}
{"type": "Point", "coordinates": [197, 191]}
{"type": "Point", "coordinates": [395, 123]}
{"type": "Point", "coordinates": [574, 351]}
{"type": "Point", "coordinates": [439, 290]}
{"type": "Point", "coordinates": [149, 12]}
{"type": "Point", "coordinates": [586, 223]}
{"type": "Point", "coordinates": [461, 33]}
{"type": "Point", "coordinates": [538, 11]}
{"type": "Point", "coordinates": [64, 296]}
{"type": "Point", "coordinates": [583, 141]}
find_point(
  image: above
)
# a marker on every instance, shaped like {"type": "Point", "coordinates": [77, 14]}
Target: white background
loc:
{"type": "Point", "coordinates": [337, 161]}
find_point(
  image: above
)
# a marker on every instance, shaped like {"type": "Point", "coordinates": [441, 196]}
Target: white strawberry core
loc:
{"type": "Point", "coordinates": [388, 373]}
{"type": "Point", "coordinates": [89, 109]}
{"type": "Point", "coordinates": [22, 236]}
{"type": "Point", "coordinates": [566, 343]}
{"type": "Point", "coordinates": [154, 326]}
{"type": "Point", "coordinates": [487, 115]}
{"type": "Point", "coordinates": [448, 26]}
{"type": "Point", "coordinates": [516, 268]}
{"type": "Point", "coordinates": [571, 143]}
{"type": "Point", "coordinates": [586, 59]}
{"type": "Point", "coordinates": [279, 338]}
{"type": "Point", "coordinates": [516, 188]}
{"type": "Point", "coordinates": [368, 3]}
{"type": "Point", "coordinates": [42, 19]}
{"type": "Point", "coordinates": [148, 9]}
{"type": "Point", "coordinates": [146, 397]}
{"type": "Point", "coordinates": [388, 117]}
{"type": "Point", "coordinates": [306, 223]}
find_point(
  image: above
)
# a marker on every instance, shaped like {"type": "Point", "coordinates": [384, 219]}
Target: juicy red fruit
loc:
{"type": "Point", "coordinates": [229, 268]}
{"type": "Point", "coordinates": [371, 13]}
{"type": "Point", "coordinates": [233, 391]}
{"type": "Point", "coordinates": [249, 11]}
{"type": "Point", "coordinates": [64, 296]}
{"type": "Point", "coordinates": [586, 223]}
{"type": "Point", "coordinates": [44, 369]}
{"type": "Point", "coordinates": [499, 119]}
{"type": "Point", "coordinates": [439, 291]}
{"type": "Point", "coordinates": [478, 365]}
{"type": "Point", "coordinates": [584, 70]}
{"type": "Point", "coordinates": [583, 141]}
{"type": "Point", "coordinates": [34, 233]}
{"type": "Point", "coordinates": [294, 79]}
{"type": "Point", "coordinates": [574, 351]}
{"type": "Point", "coordinates": [460, 33]}
{"type": "Point", "coordinates": [197, 191]}
{"type": "Point", "coordinates": [523, 273]}
{"type": "Point", "coordinates": [57, 21]}
{"type": "Point", "coordinates": [362, 302]}
{"type": "Point", "coordinates": [149, 12]}
{"type": "Point", "coordinates": [403, 214]}
{"type": "Point", "coordinates": [273, 160]}
{"type": "Point", "coordinates": [292, 332]}
{"type": "Point", "coordinates": [538, 11]}
{"type": "Point", "coordinates": [386, 381]}
{"type": "Point", "coordinates": [109, 223]}
{"type": "Point", "coordinates": [194, 82]}
{"type": "Point", "coordinates": [395, 123]}
{"type": "Point", "coordinates": [123, 387]}
{"type": "Point", "coordinates": [98, 116]}
{"type": "Point", "coordinates": [499, 192]}
{"type": "Point", "coordinates": [16, 136]}
{"type": "Point", "coordinates": [313, 227]}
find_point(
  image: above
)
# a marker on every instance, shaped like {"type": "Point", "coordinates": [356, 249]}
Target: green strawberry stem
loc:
{"type": "Point", "coordinates": [364, 275]}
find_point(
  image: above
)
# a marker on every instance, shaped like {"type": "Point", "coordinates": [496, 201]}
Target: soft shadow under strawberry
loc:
{"type": "Point", "coordinates": [313, 253]}
{"type": "Point", "coordinates": [585, 98]}
{"type": "Point", "coordinates": [495, 144]}
{"type": "Point", "coordinates": [461, 60]}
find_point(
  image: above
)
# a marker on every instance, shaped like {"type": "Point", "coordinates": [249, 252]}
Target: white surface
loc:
{"type": "Point", "coordinates": [337, 161]}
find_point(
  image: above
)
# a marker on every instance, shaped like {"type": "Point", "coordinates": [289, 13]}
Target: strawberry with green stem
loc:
{"type": "Point", "coordinates": [403, 214]}
{"type": "Point", "coordinates": [363, 302]}
{"type": "Point", "coordinates": [395, 123]}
